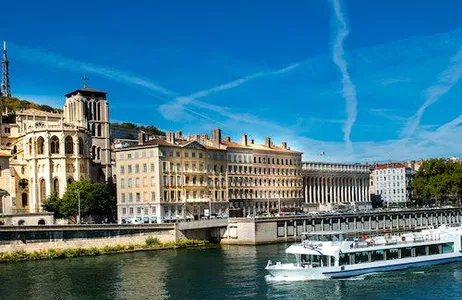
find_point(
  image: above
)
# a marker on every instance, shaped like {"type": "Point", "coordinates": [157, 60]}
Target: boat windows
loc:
{"type": "Point", "coordinates": [420, 251]}
{"type": "Point", "coordinates": [435, 249]}
{"type": "Point", "coordinates": [344, 259]}
{"type": "Point", "coordinates": [361, 257]}
{"type": "Point", "coordinates": [378, 255]}
{"type": "Point", "coordinates": [406, 252]}
{"type": "Point", "coordinates": [448, 248]}
{"type": "Point", "coordinates": [317, 260]}
{"type": "Point", "coordinates": [391, 254]}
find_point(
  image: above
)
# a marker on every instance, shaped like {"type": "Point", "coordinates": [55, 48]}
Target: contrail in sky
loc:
{"type": "Point", "coordinates": [338, 56]}
{"type": "Point", "coordinates": [446, 80]}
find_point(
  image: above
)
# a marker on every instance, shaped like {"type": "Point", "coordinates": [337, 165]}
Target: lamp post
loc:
{"type": "Point", "coordinates": [78, 209]}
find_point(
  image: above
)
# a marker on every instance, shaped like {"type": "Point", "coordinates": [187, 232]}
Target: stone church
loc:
{"type": "Point", "coordinates": [41, 152]}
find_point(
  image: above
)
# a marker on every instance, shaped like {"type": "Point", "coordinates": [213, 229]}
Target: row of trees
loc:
{"type": "Point", "coordinates": [439, 182]}
{"type": "Point", "coordinates": [96, 202]}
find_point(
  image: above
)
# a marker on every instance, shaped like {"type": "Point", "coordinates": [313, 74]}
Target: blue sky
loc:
{"type": "Point", "coordinates": [358, 80]}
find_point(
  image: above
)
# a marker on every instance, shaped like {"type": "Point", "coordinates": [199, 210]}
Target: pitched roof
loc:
{"type": "Point", "coordinates": [38, 112]}
{"type": "Point", "coordinates": [257, 147]}
{"type": "Point", "coordinates": [84, 90]}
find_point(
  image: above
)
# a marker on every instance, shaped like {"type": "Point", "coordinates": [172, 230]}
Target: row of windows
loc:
{"type": "Point", "coordinates": [137, 182]}
{"type": "Point", "coordinates": [166, 166]}
{"type": "Point", "coordinates": [173, 196]}
{"type": "Point", "coordinates": [129, 197]}
{"type": "Point", "coordinates": [145, 210]}
{"type": "Point", "coordinates": [391, 171]}
{"type": "Point", "coordinates": [55, 145]}
{"type": "Point", "coordinates": [391, 254]}
{"type": "Point", "coordinates": [239, 181]}
{"type": "Point", "coordinates": [137, 168]}
{"type": "Point", "coordinates": [386, 192]}
{"type": "Point", "coordinates": [260, 171]}
{"type": "Point", "coordinates": [390, 177]}
{"type": "Point", "coordinates": [255, 194]}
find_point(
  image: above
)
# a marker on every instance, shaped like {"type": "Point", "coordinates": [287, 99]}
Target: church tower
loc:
{"type": "Point", "coordinates": [88, 108]}
{"type": "Point", "coordinates": [5, 89]}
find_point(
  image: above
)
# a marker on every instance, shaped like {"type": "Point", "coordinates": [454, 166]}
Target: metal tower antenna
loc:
{"type": "Point", "coordinates": [5, 86]}
{"type": "Point", "coordinates": [85, 81]}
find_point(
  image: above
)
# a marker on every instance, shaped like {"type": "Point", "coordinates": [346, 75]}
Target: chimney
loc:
{"type": "Point", "coordinates": [284, 145]}
{"type": "Point", "coordinates": [140, 138]}
{"type": "Point", "coordinates": [228, 139]}
{"type": "Point", "coordinates": [268, 142]}
{"type": "Point", "coordinates": [252, 141]}
{"type": "Point", "coordinates": [179, 135]}
{"type": "Point", "coordinates": [244, 139]}
{"type": "Point", "coordinates": [216, 137]}
{"type": "Point", "coordinates": [170, 137]}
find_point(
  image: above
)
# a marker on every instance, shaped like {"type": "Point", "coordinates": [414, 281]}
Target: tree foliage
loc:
{"type": "Point", "coordinates": [95, 199]}
{"type": "Point", "coordinates": [15, 104]}
{"type": "Point", "coordinates": [149, 129]}
{"type": "Point", "coordinates": [438, 181]}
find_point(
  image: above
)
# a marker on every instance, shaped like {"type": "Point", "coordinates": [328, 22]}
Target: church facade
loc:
{"type": "Point", "coordinates": [48, 150]}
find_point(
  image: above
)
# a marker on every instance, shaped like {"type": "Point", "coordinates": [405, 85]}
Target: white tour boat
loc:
{"type": "Point", "coordinates": [334, 254]}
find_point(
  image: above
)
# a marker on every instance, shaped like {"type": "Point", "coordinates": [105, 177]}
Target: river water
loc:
{"type": "Point", "coordinates": [229, 272]}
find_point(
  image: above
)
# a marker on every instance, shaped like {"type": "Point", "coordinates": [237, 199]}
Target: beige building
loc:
{"type": "Point", "coordinates": [175, 178]}
{"type": "Point", "coordinates": [330, 185]}
{"type": "Point", "coordinates": [49, 150]}
{"type": "Point", "coordinates": [170, 179]}
{"type": "Point", "coordinates": [263, 178]}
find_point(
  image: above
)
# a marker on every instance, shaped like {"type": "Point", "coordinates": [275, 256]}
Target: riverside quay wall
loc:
{"type": "Point", "coordinates": [32, 238]}
{"type": "Point", "coordinates": [250, 231]}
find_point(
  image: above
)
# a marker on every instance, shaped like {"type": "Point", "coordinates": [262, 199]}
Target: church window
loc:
{"type": "Point", "coordinates": [56, 186]}
{"type": "Point", "coordinates": [80, 146]}
{"type": "Point", "coordinates": [98, 153]}
{"type": "Point", "coordinates": [40, 145]}
{"type": "Point", "coordinates": [24, 199]}
{"type": "Point", "coordinates": [99, 130]}
{"type": "Point", "coordinates": [69, 145]}
{"type": "Point", "coordinates": [93, 151]}
{"type": "Point", "coordinates": [42, 190]}
{"type": "Point", "coordinates": [54, 145]}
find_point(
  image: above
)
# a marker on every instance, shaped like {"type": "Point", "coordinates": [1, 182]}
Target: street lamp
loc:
{"type": "Point", "coordinates": [78, 209]}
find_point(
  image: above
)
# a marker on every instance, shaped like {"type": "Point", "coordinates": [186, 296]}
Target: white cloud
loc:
{"type": "Point", "coordinates": [338, 56]}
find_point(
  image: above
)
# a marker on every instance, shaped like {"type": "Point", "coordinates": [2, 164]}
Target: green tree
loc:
{"type": "Point", "coordinates": [438, 181]}
{"type": "Point", "coordinates": [54, 204]}
{"type": "Point", "coordinates": [95, 200]}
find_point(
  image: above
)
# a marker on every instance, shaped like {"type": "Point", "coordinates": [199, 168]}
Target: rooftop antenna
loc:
{"type": "Point", "coordinates": [85, 80]}
{"type": "Point", "coordinates": [5, 84]}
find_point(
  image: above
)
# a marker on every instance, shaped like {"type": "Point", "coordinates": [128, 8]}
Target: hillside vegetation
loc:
{"type": "Point", "coordinates": [15, 104]}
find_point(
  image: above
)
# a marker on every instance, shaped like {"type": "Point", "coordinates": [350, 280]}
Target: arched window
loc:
{"type": "Point", "coordinates": [93, 151]}
{"type": "Point", "coordinates": [40, 145]}
{"type": "Point", "coordinates": [70, 180]}
{"type": "Point", "coordinates": [42, 190]}
{"type": "Point", "coordinates": [69, 145]}
{"type": "Point", "coordinates": [99, 129]}
{"type": "Point", "coordinates": [93, 129]}
{"type": "Point", "coordinates": [30, 146]}
{"type": "Point", "coordinates": [80, 145]}
{"type": "Point", "coordinates": [56, 186]}
{"type": "Point", "coordinates": [54, 145]}
{"type": "Point", "coordinates": [98, 153]}
{"type": "Point", "coordinates": [24, 200]}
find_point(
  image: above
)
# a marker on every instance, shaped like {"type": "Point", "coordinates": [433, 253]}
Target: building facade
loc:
{"type": "Point", "coordinates": [50, 149]}
{"type": "Point", "coordinates": [174, 178]}
{"type": "Point", "coordinates": [330, 185]}
{"type": "Point", "coordinates": [170, 179]}
{"type": "Point", "coordinates": [392, 182]}
{"type": "Point", "coordinates": [263, 178]}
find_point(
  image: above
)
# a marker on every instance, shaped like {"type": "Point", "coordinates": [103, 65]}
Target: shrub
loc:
{"type": "Point", "coordinates": [152, 241]}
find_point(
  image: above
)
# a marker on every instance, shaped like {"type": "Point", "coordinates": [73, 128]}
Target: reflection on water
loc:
{"type": "Point", "coordinates": [229, 272]}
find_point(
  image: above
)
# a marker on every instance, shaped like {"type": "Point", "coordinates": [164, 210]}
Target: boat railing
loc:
{"type": "Point", "coordinates": [395, 240]}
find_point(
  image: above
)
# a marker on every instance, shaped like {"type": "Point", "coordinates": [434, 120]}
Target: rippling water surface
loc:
{"type": "Point", "coordinates": [229, 272]}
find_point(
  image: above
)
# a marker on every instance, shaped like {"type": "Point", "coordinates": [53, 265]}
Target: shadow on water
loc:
{"type": "Point", "coordinates": [228, 272]}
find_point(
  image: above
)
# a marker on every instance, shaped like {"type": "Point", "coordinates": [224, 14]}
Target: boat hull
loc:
{"type": "Point", "coordinates": [290, 272]}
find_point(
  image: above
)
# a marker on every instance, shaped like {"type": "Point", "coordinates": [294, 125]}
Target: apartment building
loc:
{"type": "Point", "coordinates": [392, 182]}
{"type": "Point", "coordinates": [170, 179]}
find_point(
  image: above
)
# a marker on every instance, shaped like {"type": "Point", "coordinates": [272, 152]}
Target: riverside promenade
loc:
{"type": "Point", "coordinates": [236, 231]}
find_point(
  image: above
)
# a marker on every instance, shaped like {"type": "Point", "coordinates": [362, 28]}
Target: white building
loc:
{"type": "Point", "coordinates": [392, 182]}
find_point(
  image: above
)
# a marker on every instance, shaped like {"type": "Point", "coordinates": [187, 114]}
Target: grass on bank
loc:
{"type": "Point", "coordinates": [151, 243]}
